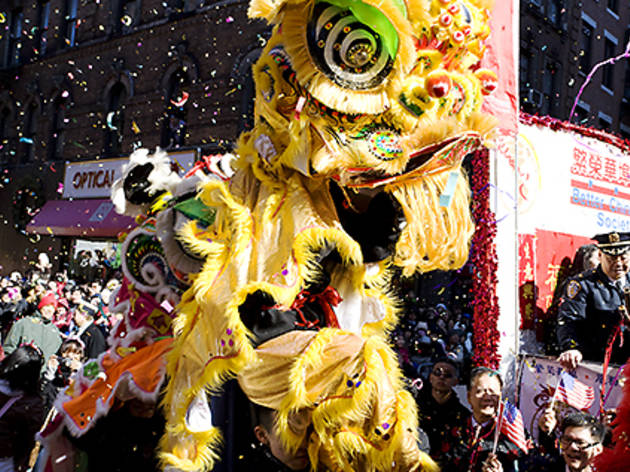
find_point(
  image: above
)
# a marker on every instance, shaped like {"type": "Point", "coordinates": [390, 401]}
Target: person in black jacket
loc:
{"type": "Point", "coordinates": [469, 446]}
{"type": "Point", "coordinates": [267, 453]}
{"type": "Point", "coordinates": [89, 333]}
{"type": "Point", "coordinates": [592, 309]}
{"type": "Point", "coordinates": [126, 440]}
{"type": "Point", "coordinates": [439, 409]}
{"type": "Point", "coordinates": [21, 408]}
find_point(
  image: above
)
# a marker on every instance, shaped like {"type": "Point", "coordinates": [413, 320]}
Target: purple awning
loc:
{"type": "Point", "coordinates": [95, 218]}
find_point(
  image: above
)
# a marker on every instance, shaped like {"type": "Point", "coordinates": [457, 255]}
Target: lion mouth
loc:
{"type": "Point", "coordinates": [431, 159]}
{"type": "Point", "coordinates": [359, 210]}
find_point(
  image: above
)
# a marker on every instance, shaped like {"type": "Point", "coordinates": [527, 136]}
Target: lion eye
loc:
{"type": "Point", "coordinates": [349, 52]}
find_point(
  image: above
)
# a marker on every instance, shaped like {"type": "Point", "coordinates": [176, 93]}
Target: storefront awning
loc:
{"type": "Point", "coordinates": [87, 218]}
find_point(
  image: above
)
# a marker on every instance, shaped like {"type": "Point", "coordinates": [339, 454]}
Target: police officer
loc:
{"type": "Point", "coordinates": [593, 308]}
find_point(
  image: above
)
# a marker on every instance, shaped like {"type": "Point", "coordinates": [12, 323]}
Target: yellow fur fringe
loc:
{"type": "Point", "coordinates": [436, 237]}
{"type": "Point", "coordinates": [343, 424]}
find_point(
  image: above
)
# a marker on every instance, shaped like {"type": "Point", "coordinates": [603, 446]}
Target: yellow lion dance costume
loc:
{"type": "Point", "coordinates": [364, 111]}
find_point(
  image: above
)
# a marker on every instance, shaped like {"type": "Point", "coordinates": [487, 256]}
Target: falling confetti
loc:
{"type": "Point", "coordinates": [182, 101]}
{"type": "Point", "coordinates": [110, 117]}
{"type": "Point", "coordinates": [134, 127]}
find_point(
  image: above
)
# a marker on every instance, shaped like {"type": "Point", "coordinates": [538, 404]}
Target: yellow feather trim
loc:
{"type": "Point", "coordinates": [436, 237]}
{"type": "Point", "coordinates": [265, 9]}
{"type": "Point", "coordinates": [197, 453]}
{"type": "Point", "coordinates": [344, 418]}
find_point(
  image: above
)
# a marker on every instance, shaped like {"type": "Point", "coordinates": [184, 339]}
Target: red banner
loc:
{"type": "Point", "coordinates": [554, 253]}
{"type": "Point", "coordinates": [544, 258]}
{"type": "Point", "coordinates": [499, 57]}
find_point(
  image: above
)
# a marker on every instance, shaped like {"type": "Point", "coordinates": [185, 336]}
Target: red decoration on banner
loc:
{"type": "Point", "coordinates": [484, 259]}
{"type": "Point", "coordinates": [499, 57]}
{"type": "Point", "coordinates": [527, 279]}
{"type": "Point", "coordinates": [554, 254]}
{"type": "Point", "coordinates": [555, 124]}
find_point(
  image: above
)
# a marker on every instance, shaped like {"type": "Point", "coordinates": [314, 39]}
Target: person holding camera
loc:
{"type": "Point", "coordinates": [60, 368]}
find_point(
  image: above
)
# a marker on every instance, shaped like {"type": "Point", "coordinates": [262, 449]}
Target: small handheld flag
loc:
{"type": "Point", "coordinates": [512, 426]}
{"type": "Point", "coordinates": [574, 393]}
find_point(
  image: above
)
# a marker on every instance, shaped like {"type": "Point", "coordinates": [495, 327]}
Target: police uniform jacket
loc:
{"type": "Point", "coordinates": [589, 314]}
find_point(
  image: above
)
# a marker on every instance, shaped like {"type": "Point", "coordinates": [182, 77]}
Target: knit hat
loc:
{"type": "Point", "coordinates": [47, 299]}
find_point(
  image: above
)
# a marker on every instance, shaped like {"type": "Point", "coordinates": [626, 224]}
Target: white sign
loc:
{"type": "Point", "coordinates": [574, 184]}
{"type": "Point", "coordinates": [539, 378]}
{"type": "Point", "coordinates": [94, 179]}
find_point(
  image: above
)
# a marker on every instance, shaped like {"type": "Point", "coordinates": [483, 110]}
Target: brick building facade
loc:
{"type": "Point", "coordinates": [94, 79]}
{"type": "Point", "coordinates": [560, 42]}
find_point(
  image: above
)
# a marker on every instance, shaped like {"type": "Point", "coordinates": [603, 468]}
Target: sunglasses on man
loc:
{"type": "Point", "coordinates": [442, 373]}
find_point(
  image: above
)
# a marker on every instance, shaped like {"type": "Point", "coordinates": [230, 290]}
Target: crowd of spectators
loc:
{"type": "Point", "coordinates": [425, 334]}
{"type": "Point", "coordinates": [55, 322]}
{"type": "Point", "coordinates": [50, 323]}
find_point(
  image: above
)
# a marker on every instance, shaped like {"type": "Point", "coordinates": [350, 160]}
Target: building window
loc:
{"type": "Point", "coordinates": [176, 6]}
{"type": "Point", "coordinates": [581, 114]}
{"type": "Point", "coordinates": [71, 23]}
{"type": "Point", "coordinates": [555, 11]}
{"type": "Point", "coordinates": [586, 46]}
{"type": "Point", "coordinates": [537, 5]}
{"type": "Point", "coordinates": [115, 120]}
{"type": "Point", "coordinates": [525, 67]}
{"type": "Point", "coordinates": [609, 51]}
{"type": "Point", "coordinates": [42, 28]}
{"type": "Point", "coordinates": [613, 5]}
{"type": "Point", "coordinates": [57, 126]}
{"type": "Point", "coordinates": [605, 121]}
{"type": "Point", "coordinates": [28, 133]}
{"type": "Point", "coordinates": [127, 12]}
{"type": "Point", "coordinates": [175, 124]}
{"type": "Point", "coordinates": [15, 36]}
{"type": "Point", "coordinates": [5, 121]}
{"type": "Point", "coordinates": [550, 85]}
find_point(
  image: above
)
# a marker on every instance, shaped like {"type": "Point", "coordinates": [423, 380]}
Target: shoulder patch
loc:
{"type": "Point", "coordinates": [573, 288]}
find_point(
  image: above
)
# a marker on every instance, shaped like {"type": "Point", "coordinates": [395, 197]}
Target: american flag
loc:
{"type": "Point", "coordinates": [574, 393]}
{"type": "Point", "coordinates": [512, 426]}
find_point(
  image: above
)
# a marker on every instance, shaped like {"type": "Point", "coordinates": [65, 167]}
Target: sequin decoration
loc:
{"type": "Point", "coordinates": [384, 144]}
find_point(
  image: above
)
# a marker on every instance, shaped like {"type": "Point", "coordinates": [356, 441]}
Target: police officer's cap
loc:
{"type": "Point", "coordinates": [613, 243]}
{"type": "Point", "coordinates": [87, 309]}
